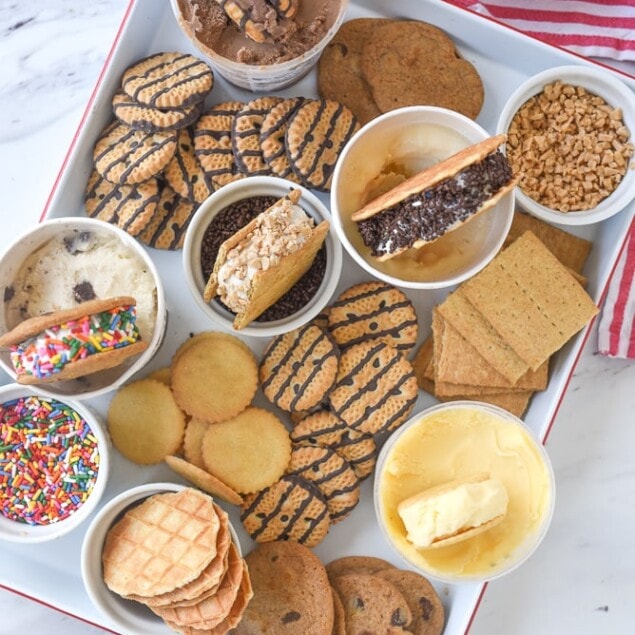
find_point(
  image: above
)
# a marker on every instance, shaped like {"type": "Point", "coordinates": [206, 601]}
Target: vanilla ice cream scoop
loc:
{"type": "Point", "coordinates": [454, 511]}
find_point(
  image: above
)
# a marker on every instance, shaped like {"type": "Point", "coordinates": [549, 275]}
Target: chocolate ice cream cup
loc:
{"type": "Point", "coordinates": [83, 273]}
{"type": "Point", "coordinates": [260, 77]}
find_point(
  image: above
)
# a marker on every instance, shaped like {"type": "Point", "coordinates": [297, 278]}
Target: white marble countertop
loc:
{"type": "Point", "coordinates": [581, 580]}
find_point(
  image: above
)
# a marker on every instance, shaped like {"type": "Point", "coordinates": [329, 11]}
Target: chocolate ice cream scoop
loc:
{"type": "Point", "coordinates": [261, 20]}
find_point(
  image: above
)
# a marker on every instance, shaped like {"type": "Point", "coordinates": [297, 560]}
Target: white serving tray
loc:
{"type": "Point", "coordinates": [50, 573]}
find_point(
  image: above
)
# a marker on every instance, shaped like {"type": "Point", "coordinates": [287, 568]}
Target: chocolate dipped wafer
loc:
{"type": "Point", "coordinates": [437, 200]}
{"type": "Point", "coordinates": [85, 339]}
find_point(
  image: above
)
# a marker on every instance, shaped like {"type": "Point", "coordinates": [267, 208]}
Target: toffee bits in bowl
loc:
{"type": "Point", "coordinates": [569, 139]}
{"type": "Point", "coordinates": [260, 258]}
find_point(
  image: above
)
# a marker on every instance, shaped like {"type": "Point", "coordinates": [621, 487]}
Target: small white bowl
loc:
{"type": "Point", "coordinates": [151, 311]}
{"type": "Point", "coordinates": [128, 616]}
{"type": "Point", "coordinates": [404, 142]}
{"type": "Point", "coordinates": [17, 531]}
{"type": "Point", "coordinates": [432, 448]}
{"type": "Point", "coordinates": [616, 94]}
{"type": "Point", "coordinates": [261, 78]}
{"type": "Point", "coordinates": [237, 191]}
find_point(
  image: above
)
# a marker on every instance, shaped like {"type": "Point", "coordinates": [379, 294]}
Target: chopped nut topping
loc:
{"type": "Point", "coordinates": [570, 148]}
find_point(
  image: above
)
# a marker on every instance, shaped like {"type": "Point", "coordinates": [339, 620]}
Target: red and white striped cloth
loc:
{"type": "Point", "coordinates": [600, 28]}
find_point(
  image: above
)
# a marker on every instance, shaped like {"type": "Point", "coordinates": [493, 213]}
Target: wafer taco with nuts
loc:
{"type": "Point", "coordinates": [258, 264]}
{"type": "Point", "coordinates": [70, 343]}
{"type": "Point", "coordinates": [437, 200]}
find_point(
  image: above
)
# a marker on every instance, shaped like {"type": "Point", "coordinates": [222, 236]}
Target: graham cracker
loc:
{"type": "Point", "coordinates": [460, 364]}
{"type": "Point", "coordinates": [514, 402]}
{"type": "Point", "coordinates": [572, 251]}
{"type": "Point", "coordinates": [530, 299]}
{"type": "Point", "coordinates": [468, 321]}
{"type": "Point", "coordinates": [420, 363]}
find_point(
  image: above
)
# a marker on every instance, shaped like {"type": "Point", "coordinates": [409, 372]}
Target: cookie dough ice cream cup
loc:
{"type": "Point", "coordinates": [464, 492]}
{"type": "Point", "coordinates": [384, 154]}
{"type": "Point", "coordinates": [261, 74]}
{"type": "Point", "coordinates": [311, 293]}
{"type": "Point", "coordinates": [61, 263]}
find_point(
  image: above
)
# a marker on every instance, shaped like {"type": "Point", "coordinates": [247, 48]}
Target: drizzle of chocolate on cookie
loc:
{"type": "Point", "coordinates": [427, 215]}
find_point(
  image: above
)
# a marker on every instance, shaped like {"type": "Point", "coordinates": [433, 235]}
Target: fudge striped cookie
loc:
{"type": "Point", "coordinates": [374, 311]}
{"type": "Point", "coordinates": [168, 80]}
{"type": "Point", "coordinates": [314, 139]}
{"type": "Point", "coordinates": [245, 135]}
{"type": "Point", "coordinates": [331, 473]}
{"type": "Point", "coordinates": [272, 137]}
{"type": "Point", "coordinates": [376, 388]}
{"type": "Point", "coordinates": [127, 156]}
{"type": "Point", "coordinates": [292, 508]}
{"type": "Point", "coordinates": [213, 143]}
{"type": "Point", "coordinates": [299, 368]}
{"type": "Point", "coordinates": [130, 207]}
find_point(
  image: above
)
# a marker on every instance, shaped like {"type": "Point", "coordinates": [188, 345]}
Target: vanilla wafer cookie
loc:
{"type": "Point", "coordinates": [127, 156]}
{"type": "Point", "coordinates": [142, 117]}
{"type": "Point", "coordinates": [299, 368]}
{"type": "Point", "coordinates": [168, 80]}
{"type": "Point", "coordinates": [314, 139]}
{"type": "Point", "coordinates": [130, 207]}
{"type": "Point", "coordinates": [331, 473]}
{"type": "Point", "coordinates": [272, 137]}
{"type": "Point", "coordinates": [292, 508]}
{"type": "Point", "coordinates": [376, 388]}
{"type": "Point", "coordinates": [161, 544]}
{"type": "Point", "coordinates": [324, 428]}
{"type": "Point", "coordinates": [184, 173]}
{"type": "Point", "coordinates": [213, 143]}
{"type": "Point", "coordinates": [245, 135]}
{"type": "Point", "coordinates": [374, 311]}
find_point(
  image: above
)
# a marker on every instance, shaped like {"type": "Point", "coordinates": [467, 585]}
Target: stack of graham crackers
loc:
{"type": "Point", "coordinates": [492, 338]}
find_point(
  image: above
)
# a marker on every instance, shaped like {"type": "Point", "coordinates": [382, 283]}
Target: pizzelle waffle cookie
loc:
{"type": "Point", "coordinates": [437, 200]}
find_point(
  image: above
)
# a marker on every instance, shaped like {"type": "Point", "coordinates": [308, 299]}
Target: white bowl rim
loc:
{"type": "Point", "coordinates": [571, 74]}
{"type": "Point", "coordinates": [31, 534]}
{"type": "Point", "coordinates": [529, 548]}
{"type": "Point", "coordinates": [231, 193]}
{"type": "Point", "coordinates": [161, 310]}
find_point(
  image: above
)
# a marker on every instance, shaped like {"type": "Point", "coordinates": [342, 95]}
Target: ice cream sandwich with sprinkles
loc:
{"type": "Point", "coordinates": [437, 200]}
{"type": "Point", "coordinates": [91, 337]}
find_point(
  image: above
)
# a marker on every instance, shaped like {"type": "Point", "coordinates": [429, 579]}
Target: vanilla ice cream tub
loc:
{"type": "Point", "coordinates": [464, 442]}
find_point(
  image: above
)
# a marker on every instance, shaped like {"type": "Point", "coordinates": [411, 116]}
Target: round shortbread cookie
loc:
{"type": "Point", "coordinates": [144, 422]}
{"type": "Point", "coordinates": [376, 388]}
{"type": "Point", "coordinates": [299, 368]}
{"type": "Point", "coordinates": [184, 173]}
{"type": "Point", "coordinates": [130, 207]}
{"type": "Point", "coordinates": [142, 117]}
{"type": "Point", "coordinates": [445, 79]}
{"type": "Point", "coordinates": [314, 139]}
{"type": "Point", "coordinates": [168, 80]}
{"type": "Point", "coordinates": [167, 228]}
{"type": "Point", "coordinates": [371, 604]}
{"type": "Point", "coordinates": [428, 615]}
{"type": "Point", "coordinates": [161, 374]}
{"type": "Point", "coordinates": [135, 559]}
{"type": "Point", "coordinates": [214, 377]}
{"type": "Point", "coordinates": [292, 508]}
{"type": "Point", "coordinates": [331, 473]}
{"type": "Point", "coordinates": [292, 595]}
{"type": "Point", "coordinates": [246, 135]}
{"type": "Point", "coordinates": [210, 577]}
{"type": "Point", "coordinates": [272, 137]}
{"type": "Point", "coordinates": [375, 311]}
{"type": "Point", "coordinates": [248, 452]}
{"type": "Point", "coordinates": [340, 68]}
{"type": "Point", "coordinates": [126, 156]}
{"type": "Point", "coordinates": [323, 428]}
{"type": "Point", "coordinates": [346, 565]}
{"type": "Point", "coordinates": [213, 143]}
{"type": "Point", "coordinates": [193, 441]}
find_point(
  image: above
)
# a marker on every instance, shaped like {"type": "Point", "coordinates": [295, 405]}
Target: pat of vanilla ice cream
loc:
{"type": "Point", "coordinates": [449, 509]}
